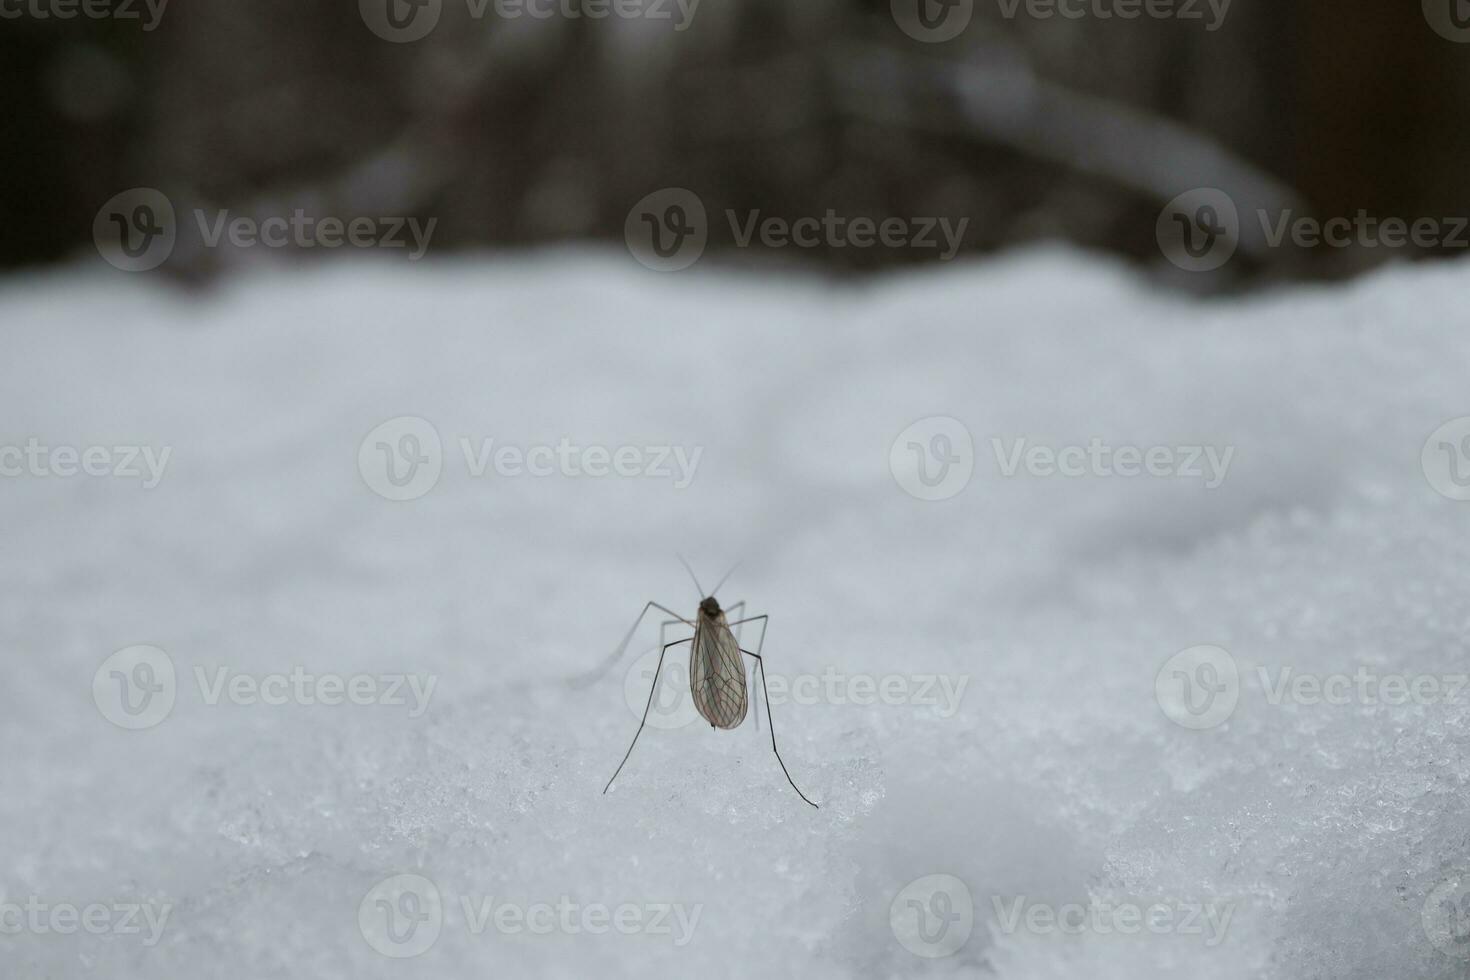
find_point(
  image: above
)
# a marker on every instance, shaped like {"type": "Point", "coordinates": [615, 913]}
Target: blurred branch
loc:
{"type": "Point", "coordinates": [1004, 102]}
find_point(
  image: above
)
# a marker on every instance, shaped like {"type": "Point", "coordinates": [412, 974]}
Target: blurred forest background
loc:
{"type": "Point", "coordinates": [520, 132]}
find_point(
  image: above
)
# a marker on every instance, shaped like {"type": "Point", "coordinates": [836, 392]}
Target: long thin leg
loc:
{"type": "Point", "coordinates": [582, 680]}
{"type": "Point", "coordinates": [736, 627]}
{"type": "Point", "coordinates": [651, 692]}
{"type": "Point", "coordinates": [731, 610]}
{"type": "Point", "coordinates": [761, 664]}
{"type": "Point", "coordinates": [663, 629]}
{"type": "Point", "coordinates": [764, 617]}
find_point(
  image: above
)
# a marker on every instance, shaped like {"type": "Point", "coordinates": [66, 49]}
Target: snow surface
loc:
{"type": "Point", "coordinates": [1059, 778]}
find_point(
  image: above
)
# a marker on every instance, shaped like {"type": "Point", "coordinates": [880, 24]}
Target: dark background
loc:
{"type": "Point", "coordinates": [539, 131]}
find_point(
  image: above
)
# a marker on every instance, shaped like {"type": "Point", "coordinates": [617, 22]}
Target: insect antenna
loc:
{"type": "Point", "coordinates": [724, 577]}
{"type": "Point", "coordinates": [694, 577]}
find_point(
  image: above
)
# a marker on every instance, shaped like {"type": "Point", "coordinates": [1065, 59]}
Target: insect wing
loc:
{"type": "Point", "coordinates": [717, 675]}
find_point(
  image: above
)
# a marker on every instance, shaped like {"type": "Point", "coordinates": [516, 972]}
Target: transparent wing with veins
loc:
{"type": "Point", "coordinates": [717, 673]}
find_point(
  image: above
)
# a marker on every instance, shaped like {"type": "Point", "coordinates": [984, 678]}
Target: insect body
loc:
{"type": "Point", "coordinates": [716, 672]}
{"type": "Point", "coordinates": [717, 669]}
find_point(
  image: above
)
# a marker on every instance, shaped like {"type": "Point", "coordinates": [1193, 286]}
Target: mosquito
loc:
{"type": "Point", "coordinates": [716, 670]}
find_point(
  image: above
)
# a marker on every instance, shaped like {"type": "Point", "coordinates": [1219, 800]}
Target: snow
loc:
{"type": "Point", "coordinates": [1335, 834]}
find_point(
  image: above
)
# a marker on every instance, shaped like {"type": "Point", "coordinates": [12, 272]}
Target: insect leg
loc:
{"type": "Point", "coordinates": [662, 627]}
{"type": "Point", "coordinates": [731, 610]}
{"type": "Point", "coordinates": [651, 692]}
{"type": "Point", "coordinates": [762, 617]}
{"type": "Point", "coordinates": [761, 664]}
{"type": "Point", "coordinates": [758, 645]}
{"type": "Point", "coordinates": [582, 680]}
{"type": "Point", "coordinates": [736, 629]}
